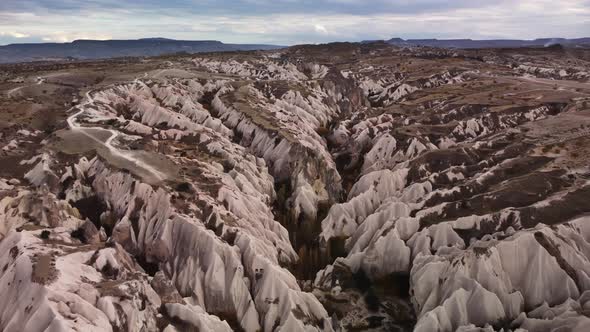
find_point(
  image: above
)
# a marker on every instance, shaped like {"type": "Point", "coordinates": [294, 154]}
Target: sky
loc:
{"type": "Point", "coordinates": [290, 22]}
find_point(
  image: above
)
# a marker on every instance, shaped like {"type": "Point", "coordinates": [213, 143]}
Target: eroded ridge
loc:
{"type": "Point", "coordinates": [316, 188]}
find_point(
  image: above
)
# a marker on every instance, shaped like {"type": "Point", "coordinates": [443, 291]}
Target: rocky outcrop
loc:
{"type": "Point", "coordinates": [377, 188]}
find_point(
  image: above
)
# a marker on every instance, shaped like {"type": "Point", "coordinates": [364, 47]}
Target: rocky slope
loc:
{"type": "Point", "coordinates": [318, 188]}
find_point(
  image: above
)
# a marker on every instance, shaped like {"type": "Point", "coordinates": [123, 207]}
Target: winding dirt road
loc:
{"type": "Point", "coordinates": [87, 131]}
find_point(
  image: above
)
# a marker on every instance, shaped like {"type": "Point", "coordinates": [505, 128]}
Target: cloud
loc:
{"type": "Point", "coordinates": [13, 34]}
{"type": "Point", "coordinates": [226, 7]}
{"type": "Point", "coordinates": [320, 29]}
{"type": "Point", "coordinates": [288, 22]}
{"type": "Point", "coordinates": [63, 37]}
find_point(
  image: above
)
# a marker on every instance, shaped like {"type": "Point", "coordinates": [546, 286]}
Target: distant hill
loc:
{"type": "Point", "coordinates": [98, 49]}
{"type": "Point", "coordinates": [493, 43]}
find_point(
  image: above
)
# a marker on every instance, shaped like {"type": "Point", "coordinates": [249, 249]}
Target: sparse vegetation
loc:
{"type": "Point", "coordinates": [323, 131]}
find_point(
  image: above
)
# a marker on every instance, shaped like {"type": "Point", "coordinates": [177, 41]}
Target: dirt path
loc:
{"type": "Point", "coordinates": [559, 83]}
{"type": "Point", "coordinates": [88, 131]}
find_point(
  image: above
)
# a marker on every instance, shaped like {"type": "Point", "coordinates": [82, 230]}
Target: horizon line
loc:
{"type": "Point", "coordinates": [164, 39]}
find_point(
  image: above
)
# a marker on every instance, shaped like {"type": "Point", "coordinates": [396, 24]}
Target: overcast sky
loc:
{"type": "Point", "coordinates": [288, 22]}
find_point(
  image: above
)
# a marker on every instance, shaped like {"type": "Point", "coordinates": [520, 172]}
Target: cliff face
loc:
{"type": "Point", "coordinates": [375, 188]}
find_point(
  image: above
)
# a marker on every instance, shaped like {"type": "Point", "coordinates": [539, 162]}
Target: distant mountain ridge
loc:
{"type": "Point", "coordinates": [492, 43]}
{"type": "Point", "coordinates": [100, 49]}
